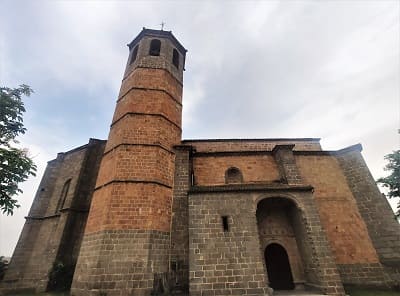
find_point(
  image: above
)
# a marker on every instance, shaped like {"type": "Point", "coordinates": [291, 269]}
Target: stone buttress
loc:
{"type": "Point", "coordinates": [53, 230]}
{"type": "Point", "coordinates": [125, 250]}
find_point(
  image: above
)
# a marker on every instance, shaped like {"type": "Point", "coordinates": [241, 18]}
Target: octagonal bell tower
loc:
{"type": "Point", "coordinates": [126, 243]}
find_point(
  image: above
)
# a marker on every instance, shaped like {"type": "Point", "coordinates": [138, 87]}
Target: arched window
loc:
{"type": "Point", "coordinates": [155, 47]}
{"type": "Point", "coordinates": [233, 175]}
{"type": "Point", "coordinates": [134, 54]}
{"type": "Point", "coordinates": [63, 195]}
{"type": "Point", "coordinates": [175, 58]}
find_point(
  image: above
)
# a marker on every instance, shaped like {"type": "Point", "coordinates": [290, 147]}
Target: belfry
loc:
{"type": "Point", "coordinates": [130, 215]}
{"type": "Point", "coordinates": [147, 213]}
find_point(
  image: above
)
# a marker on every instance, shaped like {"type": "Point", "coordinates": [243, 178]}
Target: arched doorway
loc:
{"type": "Point", "coordinates": [280, 230]}
{"type": "Point", "coordinates": [278, 267]}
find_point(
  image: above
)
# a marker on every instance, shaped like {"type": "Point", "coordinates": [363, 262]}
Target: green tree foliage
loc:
{"type": "Point", "coordinates": [15, 164]}
{"type": "Point", "coordinates": [3, 267]}
{"type": "Point", "coordinates": [60, 277]}
{"type": "Point", "coordinates": [392, 182]}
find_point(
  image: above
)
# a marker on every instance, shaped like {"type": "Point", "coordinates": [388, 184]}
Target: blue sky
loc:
{"type": "Point", "coordinates": [261, 69]}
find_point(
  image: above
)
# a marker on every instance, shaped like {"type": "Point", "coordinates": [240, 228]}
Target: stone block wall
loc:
{"type": "Point", "coordinates": [179, 249]}
{"type": "Point", "coordinates": [122, 262]}
{"type": "Point", "coordinates": [275, 225]}
{"type": "Point", "coordinates": [224, 262]}
{"type": "Point", "coordinates": [231, 262]}
{"type": "Point", "coordinates": [383, 228]}
{"type": "Point", "coordinates": [288, 170]}
{"type": "Point", "coordinates": [53, 229]}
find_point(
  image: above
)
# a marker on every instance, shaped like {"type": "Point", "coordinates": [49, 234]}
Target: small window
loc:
{"type": "Point", "coordinates": [233, 175]}
{"type": "Point", "coordinates": [134, 55]}
{"type": "Point", "coordinates": [175, 58]}
{"type": "Point", "coordinates": [225, 224]}
{"type": "Point", "coordinates": [155, 47]}
{"type": "Point", "coordinates": [63, 195]}
{"type": "Point", "coordinates": [193, 180]}
{"type": "Point", "coordinates": [174, 266]}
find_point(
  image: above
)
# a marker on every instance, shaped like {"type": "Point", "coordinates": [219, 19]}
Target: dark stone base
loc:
{"type": "Point", "coordinates": [365, 274]}
{"type": "Point", "coordinates": [122, 262]}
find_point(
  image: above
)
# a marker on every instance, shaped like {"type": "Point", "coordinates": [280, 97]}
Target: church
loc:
{"type": "Point", "coordinates": [147, 213]}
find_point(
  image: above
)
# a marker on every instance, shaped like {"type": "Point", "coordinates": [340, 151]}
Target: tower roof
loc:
{"type": "Point", "coordinates": [158, 33]}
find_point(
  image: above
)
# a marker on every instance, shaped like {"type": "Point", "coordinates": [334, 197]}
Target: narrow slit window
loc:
{"type": "Point", "coordinates": [225, 223]}
{"type": "Point", "coordinates": [134, 55]}
{"type": "Point", "coordinates": [155, 47]}
{"type": "Point", "coordinates": [193, 179]}
{"type": "Point", "coordinates": [63, 195]}
{"type": "Point", "coordinates": [174, 266]}
{"type": "Point", "coordinates": [175, 58]}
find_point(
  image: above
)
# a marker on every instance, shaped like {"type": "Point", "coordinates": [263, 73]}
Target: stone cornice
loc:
{"type": "Point", "coordinates": [249, 188]}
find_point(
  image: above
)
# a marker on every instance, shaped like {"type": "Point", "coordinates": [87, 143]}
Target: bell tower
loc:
{"type": "Point", "coordinates": [125, 250]}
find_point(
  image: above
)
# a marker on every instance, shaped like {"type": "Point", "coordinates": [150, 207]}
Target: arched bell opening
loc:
{"type": "Point", "coordinates": [280, 232]}
{"type": "Point", "coordinates": [278, 267]}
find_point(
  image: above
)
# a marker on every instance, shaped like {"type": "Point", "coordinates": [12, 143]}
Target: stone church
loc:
{"type": "Point", "coordinates": [147, 213]}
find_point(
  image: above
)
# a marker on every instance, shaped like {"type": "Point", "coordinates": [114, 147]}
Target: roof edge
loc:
{"type": "Point", "coordinates": [89, 143]}
{"type": "Point", "coordinates": [158, 33]}
{"type": "Point", "coordinates": [253, 139]}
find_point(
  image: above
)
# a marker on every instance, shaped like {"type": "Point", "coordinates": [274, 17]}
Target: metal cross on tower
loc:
{"type": "Point", "coordinates": [162, 25]}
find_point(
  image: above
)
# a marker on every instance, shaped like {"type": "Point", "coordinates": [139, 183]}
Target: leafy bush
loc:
{"type": "Point", "coordinates": [3, 267]}
{"type": "Point", "coordinates": [60, 277]}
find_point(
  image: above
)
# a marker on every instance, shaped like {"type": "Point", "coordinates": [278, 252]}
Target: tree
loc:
{"type": "Point", "coordinates": [15, 164]}
{"type": "Point", "coordinates": [392, 182]}
{"type": "Point", "coordinates": [3, 267]}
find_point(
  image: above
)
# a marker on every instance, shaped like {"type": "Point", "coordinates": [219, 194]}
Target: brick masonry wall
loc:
{"type": "Point", "coordinates": [255, 168]}
{"type": "Point", "coordinates": [134, 206]}
{"type": "Point", "coordinates": [134, 191]}
{"type": "Point", "coordinates": [164, 61]}
{"type": "Point", "coordinates": [151, 79]}
{"type": "Point", "coordinates": [136, 100]}
{"type": "Point", "coordinates": [158, 132]}
{"type": "Point", "coordinates": [240, 145]}
{"type": "Point", "coordinates": [343, 221]}
{"type": "Point", "coordinates": [346, 230]}
{"type": "Point", "coordinates": [137, 163]}
{"type": "Point", "coordinates": [383, 228]}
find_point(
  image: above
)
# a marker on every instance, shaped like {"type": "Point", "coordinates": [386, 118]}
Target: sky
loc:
{"type": "Point", "coordinates": [254, 69]}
